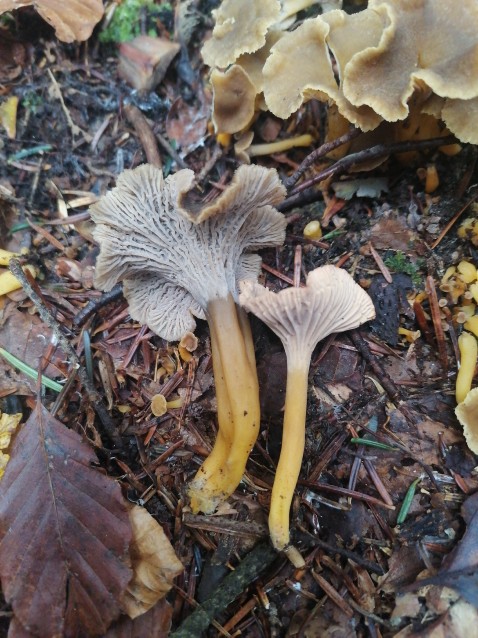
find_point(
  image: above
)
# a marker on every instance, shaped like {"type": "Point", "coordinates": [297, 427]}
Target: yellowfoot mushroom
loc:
{"type": "Point", "coordinates": [467, 414]}
{"type": "Point", "coordinates": [330, 302]}
{"type": "Point", "coordinates": [178, 260]}
{"type": "Point", "coordinates": [241, 27]}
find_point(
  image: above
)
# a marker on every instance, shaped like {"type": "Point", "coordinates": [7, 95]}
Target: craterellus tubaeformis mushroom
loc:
{"type": "Point", "coordinates": [330, 302]}
{"type": "Point", "coordinates": [178, 260]}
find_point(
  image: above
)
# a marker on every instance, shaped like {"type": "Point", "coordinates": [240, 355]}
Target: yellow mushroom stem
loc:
{"type": "Point", "coordinates": [279, 146]}
{"type": "Point", "coordinates": [9, 283]}
{"type": "Point", "coordinates": [5, 256]}
{"type": "Point", "coordinates": [237, 392]}
{"type": "Point", "coordinates": [469, 354]}
{"type": "Point", "coordinates": [292, 451]}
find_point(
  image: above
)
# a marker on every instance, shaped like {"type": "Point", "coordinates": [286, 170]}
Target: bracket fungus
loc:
{"type": "Point", "coordinates": [178, 260]}
{"type": "Point", "coordinates": [330, 302]}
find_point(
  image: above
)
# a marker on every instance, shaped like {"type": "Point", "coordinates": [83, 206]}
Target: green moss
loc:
{"type": "Point", "coordinates": [125, 23]}
{"type": "Point", "coordinates": [399, 262]}
{"type": "Point", "coordinates": [31, 101]}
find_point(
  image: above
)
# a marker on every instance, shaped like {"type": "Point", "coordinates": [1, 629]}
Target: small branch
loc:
{"type": "Point", "coordinates": [65, 345]}
{"type": "Point", "coordinates": [95, 304]}
{"type": "Point", "coordinates": [170, 151]}
{"type": "Point", "coordinates": [228, 590]}
{"type": "Point", "coordinates": [387, 383]}
{"type": "Point", "coordinates": [318, 153]}
{"type": "Point", "coordinates": [354, 160]}
{"type": "Point", "coordinates": [436, 318]}
{"type": "Point", "coordinates": [145, 134]}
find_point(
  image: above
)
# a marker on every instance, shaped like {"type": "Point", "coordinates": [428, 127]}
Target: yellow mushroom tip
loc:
{"type": "Point", "coordinates": [313, 230]}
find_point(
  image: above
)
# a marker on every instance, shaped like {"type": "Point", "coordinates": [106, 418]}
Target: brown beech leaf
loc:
{"type": "Point", "coordinates": [64, 533]}
{"type": "Point", "coordinates": [72, 20]}
{"type": "Point", "coordinates": [155, 623]}
{"type": "Point", "coordinates": [155, 564]}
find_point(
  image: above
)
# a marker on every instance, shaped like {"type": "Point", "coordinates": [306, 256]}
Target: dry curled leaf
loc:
{"type": "Point", "coordinates": [155, 564]}
{"type": "Point", "coordinates": [64, 533]}
{"type": "Point", "coordinates": [72, 20]}
{"type": "Point", "coordinates": [8, 425]}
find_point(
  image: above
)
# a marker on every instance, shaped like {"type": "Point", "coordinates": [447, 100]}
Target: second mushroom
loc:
{"type": "Point", "coordinates": [330, 302]}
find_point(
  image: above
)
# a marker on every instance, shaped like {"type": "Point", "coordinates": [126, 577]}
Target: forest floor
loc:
{"type": "Point", "coordinates": [76, 131]}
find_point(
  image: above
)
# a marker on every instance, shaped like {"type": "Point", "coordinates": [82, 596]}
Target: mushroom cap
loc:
{"type": "Point", "coordinates": [73, 20]}
{"type": "Point", "coordinates": [467, 414]}
{"type": "Point", "coordinates": [189, 341]}
{"type": "Point", "coordinates": [234, 99]}
{"type": "Point", "coordinates": [461, 117]}
{"type": "Point", "coordinates": [299, 67]}
{"type": "Point", "coordinates": [430, 42]}
{"type": "Point", "coordinates": [241, 27]}
{"type": "Point", "coordinates": [236, 90]}
{"type": "Point", "coordinates": [330, 302]}
{"type": "Point", "coordinates": [173, 255]}
{"type": "Point", "coordinates": [159, 405]}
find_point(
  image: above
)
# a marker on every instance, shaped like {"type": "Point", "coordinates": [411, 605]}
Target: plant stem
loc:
{"type": "Point", "coordinates": [238, 388]}
{"type": "Point", "coordinates": [292, 450]}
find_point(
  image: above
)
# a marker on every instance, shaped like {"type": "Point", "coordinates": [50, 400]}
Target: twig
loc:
{"type": "Point", "coordinates": [452, 221]}
{"type": "Point", "coordinates": [375, 152]}
{"type": "Point", "coordinates": [354, 160]}
{"type": "Point", "coordinates": [145, 134]}
{"type": "Point", "coordinates": [389, 386]}
{"type": "Point", "coordinates": [332, 593]}
{"type": "Point", "coordinates": [47, 317]}
{"type": "Point", "coordinates": [229, 589]}
{"type": "Point", "coordinates": [436, 318]}
{"type": "Point", "coordinates": [279, 275]}
{"type": "Point", "coordinates": [318, 153]}
{"type": "Point", "coordinates": [170, 150]}
{"type": "Point", "coordinates": [75, 130]}
{"type": "Point", "coordinates": [95, 304]}
{"type": "Point", "coordinates": [335, 549]}
{"type": "Point", "coordinates": [379, 261]}
{"type": "Point", "coordinates": [335, 489]}
{"type": "Point", "coordinates": [209, 165]}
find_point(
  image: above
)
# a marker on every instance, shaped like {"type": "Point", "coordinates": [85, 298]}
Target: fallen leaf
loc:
{"type": "Point", "coordinates": [186, 124]}
{"type": "Point", "coordinates": [8, 425]}
{"type": "Point", "coordinates": [155, 623]}
{"type": "Point", "coordinates": [8, 115]}
{"type": "Point", "coordinates": [64, 533]}
{"type": "Point", "coordinates": [406, 606]}
{"type": "Point", "coordinates": [392, 233]}
{"type": "Point", "coordinates": [12, 56]}
{"type": "Point", "coordinates": [155, 564]}
{"type": "Point", "coordinates": [27, 338]}
{"type": "Point", "coordinates": [72, 20]}
{"type": "Point", "coordinates": [460, 571]}
{"type": "Point", "coordinates": [364, 187]}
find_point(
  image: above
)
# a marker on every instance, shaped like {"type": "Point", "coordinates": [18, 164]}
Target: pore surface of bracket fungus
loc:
{"type": "Point", "coordinates": [330, 302]}
{"type": "Point", "coordinates": [386, 54]}
{"type": "Point", "coordinates": [179, 259]}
